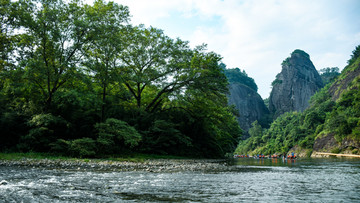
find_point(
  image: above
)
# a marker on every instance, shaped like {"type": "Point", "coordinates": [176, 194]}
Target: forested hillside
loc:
{"type": "Point", "coordinates": [80, 80]}
{"type": "Point", "coordinates": [330, 124]}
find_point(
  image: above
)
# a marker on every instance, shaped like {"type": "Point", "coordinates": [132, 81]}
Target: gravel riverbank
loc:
{"type": "Point", "coordinates": [162, 165]}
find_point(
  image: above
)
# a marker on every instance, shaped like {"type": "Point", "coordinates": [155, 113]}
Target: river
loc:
{"type": "Point", "coordinates": [303, 180]}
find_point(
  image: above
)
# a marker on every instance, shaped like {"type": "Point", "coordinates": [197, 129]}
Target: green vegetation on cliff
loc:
{"type": "Point", "coordinates": [334, 111]}
{"type": "Point", "coordinates": [329, 74]}
{"type": "Point", "coordinates": [235, 75]}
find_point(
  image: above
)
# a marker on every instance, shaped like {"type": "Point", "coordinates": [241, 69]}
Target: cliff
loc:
{"type": "Point", "coordinates": [294, 85]}
{"type": "Point", "coordinates": [249, 104]}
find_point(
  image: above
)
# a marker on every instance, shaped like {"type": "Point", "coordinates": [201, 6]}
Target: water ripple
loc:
{"type": "Point", "coordinates": [304, 181]}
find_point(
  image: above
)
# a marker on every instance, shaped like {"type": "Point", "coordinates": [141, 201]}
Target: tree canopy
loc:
{"type": "Point", "coordinates": [80, 80]}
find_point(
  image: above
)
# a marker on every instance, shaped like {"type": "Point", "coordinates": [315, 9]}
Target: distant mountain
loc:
{"type": "Point", "coordinates": [294, 85]}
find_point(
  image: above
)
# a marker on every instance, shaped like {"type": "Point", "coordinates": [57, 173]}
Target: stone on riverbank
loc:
{"type": "Point", "coordinates": [162, 165]}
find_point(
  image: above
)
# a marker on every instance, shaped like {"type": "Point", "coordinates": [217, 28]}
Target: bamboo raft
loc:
{"type": "Point", "coordinates": [341, 155]}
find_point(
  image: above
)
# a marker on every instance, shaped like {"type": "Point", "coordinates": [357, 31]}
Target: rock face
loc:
{"type": "Point", "coordinates": [294, 86]}
{"type": "Point", "coordinates": [249, 104]}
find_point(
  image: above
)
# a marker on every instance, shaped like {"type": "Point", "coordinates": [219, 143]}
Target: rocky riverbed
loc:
{"type": "Point", "coordinates": [161, 165]}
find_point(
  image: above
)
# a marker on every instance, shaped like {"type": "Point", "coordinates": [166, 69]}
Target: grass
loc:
{"type": "Point", "coordinates": [29, 155]}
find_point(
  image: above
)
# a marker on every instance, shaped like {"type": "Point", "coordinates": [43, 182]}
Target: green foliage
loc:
{"type": "Point", "coordinates": [61, 146]}
{"type": "Point", "coordinates": [235, 75]}
{"type": "Point", "coordinates": [276, 82]}
{"type": "Point", "coordinates": [336, 150]}
{"type": "Point", "coordinates": [108, 24]}
{"type": "Point", "coordinates": [286, 62]}
{"type": "Point", "coordinates": [301, 52]}
{"type": "Point", "coordinates": [329, 74]}
{"type": "Point", "coordinates": [12, 127]}
{"type": "Point", "coordinates": [84, 147]}
{"type": "Point", "coordinates": [257, 138]}
{"type": "Point", "coordinates": [112, 130]}
{"type": "Point", "coordinates": [44, 129]}
{"type": "Point", "coordinates": [163, 137]}
{"type": "Point", "coordinates": [55, 32]}
{"type": "Point", "coordinates": [355, 55]}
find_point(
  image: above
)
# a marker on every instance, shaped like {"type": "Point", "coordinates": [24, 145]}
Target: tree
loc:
{"type": "Point", "coordinates": [55, 33]}
{"type": "Point", "coordinates": [355, 55]}
{"type": "Point", "coordinates": [44, 130]}
{"type": "Point", "coordinates": [329, 74]}
{"type": "Point", "coordinates": [7, 37]}
{"type": "Point", "coordinates": [212, 127]}
{"type": "Point", "coordinates": [112, 131]}
{"type": "Point", "coordinates": [102, 54]}
{"type": "Point", "coordinates": [155, 66]}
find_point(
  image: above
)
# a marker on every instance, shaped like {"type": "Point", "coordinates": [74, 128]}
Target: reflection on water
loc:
{"type": "Point", "coordinates": [265, 162]}
{"type": "Point", "coordinates": [257, 180]}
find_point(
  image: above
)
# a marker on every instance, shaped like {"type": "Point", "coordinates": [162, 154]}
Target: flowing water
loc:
{"type": "Point", "coordinates": [303, 180]}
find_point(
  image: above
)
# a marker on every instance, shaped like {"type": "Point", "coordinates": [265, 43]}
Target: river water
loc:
{"type": "Point", "coordinates": [303, 180]}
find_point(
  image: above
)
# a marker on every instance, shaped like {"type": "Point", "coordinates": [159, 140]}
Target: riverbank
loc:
{"type": "Point", "coordinates": [134, 164]}
{"type": "Point", "coordinates": [324, 154]}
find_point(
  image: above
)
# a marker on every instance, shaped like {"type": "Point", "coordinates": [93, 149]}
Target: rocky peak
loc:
{"type": "Point", "coordinates": [249, 104]}
{"type": "Point", "coordinates": [295, 84]}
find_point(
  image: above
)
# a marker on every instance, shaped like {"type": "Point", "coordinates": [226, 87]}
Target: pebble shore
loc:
{"type": "Point", "coordinates": [162, 165]}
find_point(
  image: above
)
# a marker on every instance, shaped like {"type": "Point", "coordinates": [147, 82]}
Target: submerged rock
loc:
{"type": "Point", "coordinates": [3, 182]}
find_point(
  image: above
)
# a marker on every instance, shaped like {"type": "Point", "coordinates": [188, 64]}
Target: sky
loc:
{"type": "Point", "coordinates": [257, 35]}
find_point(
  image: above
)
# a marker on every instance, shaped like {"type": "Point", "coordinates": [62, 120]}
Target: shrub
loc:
{"type": "Point", "coordinates": [61, 146]}
{"type": "Point", "coordinates": [355, 151]}
{"type": "Point", "coordinates": [45, 128]}
{"type": "Point", "coordinates": [336, 150]}
{"type": "Point", "coordinates": [164, 137]}
{"type": "Point", "coordinates": [112, 131]}
{"type": "Point", "coordinates": [84, 147]}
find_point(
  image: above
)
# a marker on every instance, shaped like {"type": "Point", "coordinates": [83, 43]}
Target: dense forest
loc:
{"type": "Point", "coordinates": [334, 113]}
{"type": "Point", "coordinates": [80, 80]}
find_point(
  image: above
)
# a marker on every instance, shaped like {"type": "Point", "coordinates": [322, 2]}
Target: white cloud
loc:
{"type": "Point", "coordinates": [258, 35]}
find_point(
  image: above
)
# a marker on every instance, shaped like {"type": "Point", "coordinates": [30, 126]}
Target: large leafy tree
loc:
{"type": "Point", "coordinates": [107, 22]}
{"type": "Point", "coordinates": [208, 120]}
{"type": "Point", "coordinates": [7, 38]}
{"type": "Point", "coordinates": [55, 33]}
{"type": "Point", "coordinates": [154, 66]}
